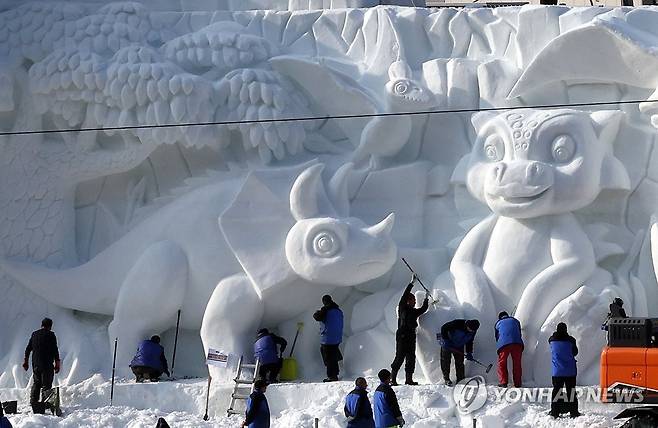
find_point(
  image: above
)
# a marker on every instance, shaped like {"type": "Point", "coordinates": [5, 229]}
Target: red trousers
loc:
{"type": "Point", "coordinates": [515, 350]}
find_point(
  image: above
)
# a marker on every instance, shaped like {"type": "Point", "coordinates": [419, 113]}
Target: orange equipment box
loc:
{"type": "Point", "coordinates": [629, 374]}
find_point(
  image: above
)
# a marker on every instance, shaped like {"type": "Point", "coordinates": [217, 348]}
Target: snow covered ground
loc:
{"type": "Point", "coordinates": [182, 403]}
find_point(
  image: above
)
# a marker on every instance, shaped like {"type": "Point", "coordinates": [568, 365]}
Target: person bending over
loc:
{"type": "Point", "coordinates": [149, 362]}
{"type": "Point", "coordinates": [266, 352]}
{"type": "Point", "coordinates": [455, 336]}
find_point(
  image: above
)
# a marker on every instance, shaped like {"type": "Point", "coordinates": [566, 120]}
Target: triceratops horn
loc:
{"type": "Point", "coordinates": [304, 193]}
{"type": "Point", "coordinates": [384, 227]}
{"type": "Point", "coordinates": [338, 189]}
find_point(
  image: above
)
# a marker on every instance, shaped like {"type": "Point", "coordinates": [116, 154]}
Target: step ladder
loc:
{"type": "Point", "coordinates": [243, 387]}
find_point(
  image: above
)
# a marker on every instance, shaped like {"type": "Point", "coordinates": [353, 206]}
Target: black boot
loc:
{"type": "Point", "coordinates": [394, 378]}
{"type": "Point", "coordinates": [410, 379]}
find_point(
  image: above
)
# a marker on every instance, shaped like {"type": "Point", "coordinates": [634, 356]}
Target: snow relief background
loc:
{"type": "Point", "coordinates": [545, 212]}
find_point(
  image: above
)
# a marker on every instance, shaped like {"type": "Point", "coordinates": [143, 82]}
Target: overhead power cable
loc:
{"type": "Point", "coordinates": [322, 118]}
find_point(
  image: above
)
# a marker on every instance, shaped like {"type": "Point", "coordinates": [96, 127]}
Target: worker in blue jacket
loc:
{"type": "Point", "coordinates": [149, 362]}
{"type": "Point", "coordinates": [268, 349]}
{"type": "Point", "coordinates": [258, 411]}
{"type": "Point", "coordinates": [509, 343]}
{"type": "Point", "coordinates": [387, 410]}
{"type": "Point", "coordinates": [330, 318]}
{"type": "Point", "coordinates": [455, 336]}
{"type": "Point", "coordinates": [564, 371]}
{"type": "Point", "coordinates": [357, 406]}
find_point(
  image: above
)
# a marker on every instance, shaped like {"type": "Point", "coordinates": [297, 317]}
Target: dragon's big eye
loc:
{"type": "Point", "coordinates": [563, 148]}
{"type": "Point", "coordinates": [326, 244]}
{"type": "Point", "coordinates": [494, 149]}
{"type": "Point", "coordinates": [401, 87]}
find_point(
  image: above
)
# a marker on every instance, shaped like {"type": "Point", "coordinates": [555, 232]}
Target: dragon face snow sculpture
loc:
{"type": "Point", "coordinates": [226, 285]}
{"type": "Point", "coordinates": [532, 168]}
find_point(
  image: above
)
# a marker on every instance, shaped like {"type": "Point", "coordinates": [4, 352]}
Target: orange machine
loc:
{"type": "Point", "coordinates": [629, 364]}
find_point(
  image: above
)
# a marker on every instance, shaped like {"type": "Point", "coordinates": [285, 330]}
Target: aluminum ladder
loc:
{"type": "Point", "coordinates": [241, 385]}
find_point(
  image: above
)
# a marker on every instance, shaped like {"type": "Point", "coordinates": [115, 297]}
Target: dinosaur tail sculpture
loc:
{"type": "Point", "coordinates": [67, 288]}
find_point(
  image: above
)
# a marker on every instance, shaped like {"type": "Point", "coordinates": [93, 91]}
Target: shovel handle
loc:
{"type": "Point", "coordinates": [487, 367]}
{"type": "Point", "coordinates": [300, 325]}
{"type": "Point", "coordinates": [419, 281]}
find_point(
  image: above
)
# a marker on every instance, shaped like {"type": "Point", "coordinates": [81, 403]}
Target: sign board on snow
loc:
{"type": "Point", "coordinates": [216, 358]}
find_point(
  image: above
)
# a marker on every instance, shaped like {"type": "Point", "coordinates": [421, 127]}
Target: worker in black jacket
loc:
{"type": "Point", "coordinates": [405, 336]}
{"type": "Point", "coordinates": [45, 360]}
{"type": "Point", "coordinates": [616, 309]}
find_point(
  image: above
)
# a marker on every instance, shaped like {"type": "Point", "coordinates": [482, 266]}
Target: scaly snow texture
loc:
{"type": "Point", "coordinates": [182, 403]}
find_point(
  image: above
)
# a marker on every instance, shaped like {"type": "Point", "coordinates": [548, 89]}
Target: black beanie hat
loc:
{"type": "Point", "coordinates": [473, 324]}
{"type": "Point", "coordinates": [561, 328]}
{"type": "Point", "coordinates": [384, 375]}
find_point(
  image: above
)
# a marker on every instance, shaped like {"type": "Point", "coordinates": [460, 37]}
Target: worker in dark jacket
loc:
{"type": "Point", "coordinates": [563, 356]}
{"type": "Point", "coordinates": [258, 411]}
{"type": "Point", "coordinates": [357, 406]}
{"type": "Point", "coordinates": [616, 309]}
{"type": "Point", "coordinates": [45, 361]}
{"type": "Point", "coordinates": [330, 318]}
{"type": "Point", "coordinates": [4, 422]}
{"type": "Point", "coordinates": [508, 343]}
{"type": "Point", "coordinates": [405, 336]}
{"type": "Point", "coordinates": [387, 410]}
{"type": "Point", "coordinates": [455, 336]}
{"type": "Point", "coordinates": [149, 362]}
{"type": "Point", "coordinates": [269, 357]}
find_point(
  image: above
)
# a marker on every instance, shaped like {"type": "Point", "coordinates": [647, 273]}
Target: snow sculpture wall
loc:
{"type": "Point", "coordinates": [239, 226]}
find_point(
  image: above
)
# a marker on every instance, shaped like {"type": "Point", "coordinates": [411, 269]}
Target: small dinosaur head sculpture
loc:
{"type": "Point", "coordinates": [402, 89]}
{"type": "Point", "coordinates": [529, 163]}
{"type": "Point", "coordinates": [330, 247]}
{"type": "Point", "coordinates": [284, 223]}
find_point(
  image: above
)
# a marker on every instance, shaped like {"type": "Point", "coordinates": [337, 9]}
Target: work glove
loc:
{"type": "Point", "coordinates": [57, 366]}
{"type": "Point", "coordinates": [469, 356]}
{"type": "Point", "coordinates": [26, 365]}
{"type": "Point", "coordinates": [414, 277]}
{"type": "Point", "coordinates": [401, 421]}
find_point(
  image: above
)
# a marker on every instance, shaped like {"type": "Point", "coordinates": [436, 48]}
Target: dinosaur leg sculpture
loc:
{"type": "Point", "coordinates": [232, 317]}
{"type": "Point", "coordinates": [149, 298]}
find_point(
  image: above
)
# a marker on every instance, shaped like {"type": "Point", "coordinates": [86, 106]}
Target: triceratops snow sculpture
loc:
{"type": "Point", "coordinates": [532, 168]}
{"type": "Point", "coordinates": [270, 255]}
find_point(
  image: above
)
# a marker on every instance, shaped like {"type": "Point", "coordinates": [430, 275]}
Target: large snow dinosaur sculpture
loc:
{"type": "Point", "coordinates": [268, 255]}
{"type": "Point", "coordinates": [532, 168]}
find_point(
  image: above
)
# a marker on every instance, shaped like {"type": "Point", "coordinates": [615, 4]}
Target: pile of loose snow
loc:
{"type": "Point", "coordinates": [182, 404]}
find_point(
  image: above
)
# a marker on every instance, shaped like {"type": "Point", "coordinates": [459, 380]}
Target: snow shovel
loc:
{"type": "Point", "coordinates": [434, 302]}
{"type": "Point", "coordinates": [289, 365]}
{"type": "Point", "coordinates": [487, 367]}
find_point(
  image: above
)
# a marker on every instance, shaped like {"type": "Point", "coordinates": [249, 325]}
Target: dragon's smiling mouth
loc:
{"type": "Point", "coordinates": [525, 199]}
